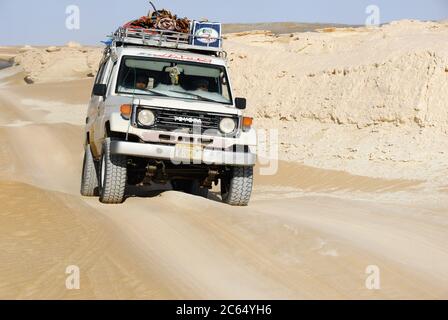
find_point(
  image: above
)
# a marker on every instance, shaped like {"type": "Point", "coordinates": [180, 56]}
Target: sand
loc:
{"type": "Point", "coordinates": [343, 201]}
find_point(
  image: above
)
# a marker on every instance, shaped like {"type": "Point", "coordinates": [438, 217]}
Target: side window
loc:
{"type": "Point", "coordinates": [99, 75]}
{"type": "Point", "coordinates": [108, 67]}
{"type": "Point", "coordinates": [224, 87]}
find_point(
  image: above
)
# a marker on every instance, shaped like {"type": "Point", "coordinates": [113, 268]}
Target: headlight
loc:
{"type": "Point", "coordinates": [227, 125]}
{"type": "Point", "coordinates": [146, 118]}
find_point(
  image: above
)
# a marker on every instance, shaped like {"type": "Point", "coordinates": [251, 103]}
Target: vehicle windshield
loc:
{"type": "Point", "coordinates": [174, 79]}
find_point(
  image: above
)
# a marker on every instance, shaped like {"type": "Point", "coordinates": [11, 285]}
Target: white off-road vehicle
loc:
{"type": "Point", "coordinates": [162, 111]}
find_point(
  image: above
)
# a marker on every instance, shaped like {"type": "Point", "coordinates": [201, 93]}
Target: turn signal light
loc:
{"type": "Point", "coordinates": [126, 110]}
{"type": "Point", "coordinates": [247, 123]}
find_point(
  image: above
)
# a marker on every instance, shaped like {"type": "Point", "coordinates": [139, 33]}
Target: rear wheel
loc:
{"type": "Point", "coordinates": [89, 179]}
{"type": "Point", "coordinates": [236, 186]}
{"type": "Point", "coordinates": [113, 175]}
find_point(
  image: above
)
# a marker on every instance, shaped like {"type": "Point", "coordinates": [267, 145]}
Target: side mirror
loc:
{"type": "Point", "coordinates": [99, 90]}
{"type": "Point", "coordinates": [240, 103]}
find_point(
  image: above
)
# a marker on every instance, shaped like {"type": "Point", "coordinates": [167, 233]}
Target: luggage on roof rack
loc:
{"type": "Point", "coordinates": [161, 28]}
{"type": "Point", "coordinates": [206, 37]}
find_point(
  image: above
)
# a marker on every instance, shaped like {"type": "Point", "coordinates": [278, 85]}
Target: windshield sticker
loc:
{"type": "Point", "coordinates": [181, 57]}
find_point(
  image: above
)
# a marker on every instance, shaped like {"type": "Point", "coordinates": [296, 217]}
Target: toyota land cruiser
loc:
{"type": "Point", "coordinates": [163, 111]}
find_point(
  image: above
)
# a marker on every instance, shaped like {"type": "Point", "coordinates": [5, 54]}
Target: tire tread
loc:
{"type": "Point", "coordinates": [241, 184]}
{"type": "Point", "coordinates": [89, 179]}
{"type": "Point", "coordinates": [113, 191]}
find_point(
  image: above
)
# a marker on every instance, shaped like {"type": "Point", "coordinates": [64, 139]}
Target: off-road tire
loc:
{"type": "Point", "coordinates": [236, 186]}
{"type": "Point", "coordinates": [112, 176]}
{"type": "Point", "coordinates": [89, 179]}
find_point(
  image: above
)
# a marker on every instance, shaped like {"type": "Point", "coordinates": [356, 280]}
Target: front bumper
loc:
{"type": "Point", "coordinates": [168, 152]}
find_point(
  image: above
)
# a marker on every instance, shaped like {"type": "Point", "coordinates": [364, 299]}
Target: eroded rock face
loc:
{"type": "Point", "coordinates": [25, 49]}
{"type": "Point", "coordinates": [346, 77]}
{"type": "Point", "coordinates": [53, 49]}
{"type": "Point", "coordinates": [55, 64]}
{"type": "Point", "coordinates": [371, 101]}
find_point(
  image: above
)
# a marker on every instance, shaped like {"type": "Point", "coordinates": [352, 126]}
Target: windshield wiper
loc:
{"type": "Point", "coordinates": [195, 95]}
{"type": "Point", "coordinates": [157, 93]}
{"type": "Point", "coordinates": [140, 91]}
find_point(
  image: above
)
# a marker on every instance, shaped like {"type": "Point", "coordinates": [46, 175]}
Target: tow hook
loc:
{"type": "Point", "coordinates": [212, 174]}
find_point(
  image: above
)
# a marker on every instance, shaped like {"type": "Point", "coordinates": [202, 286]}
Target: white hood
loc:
{"type": "Point", "coordinates": [183, 104]}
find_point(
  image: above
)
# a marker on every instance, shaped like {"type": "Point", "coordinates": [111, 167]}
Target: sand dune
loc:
{"type": "Point", "coordinates": [310, 231]}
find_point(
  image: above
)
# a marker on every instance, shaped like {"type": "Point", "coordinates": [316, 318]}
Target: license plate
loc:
{"type": "Point", "coordinates": [188, 152]}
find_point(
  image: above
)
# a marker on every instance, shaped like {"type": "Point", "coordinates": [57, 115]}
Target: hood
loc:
{"type": "Point", "coordinates": [183, 104]}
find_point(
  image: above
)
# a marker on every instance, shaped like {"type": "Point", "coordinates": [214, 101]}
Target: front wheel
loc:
{"type": "Point", "coordinates": [236, 186]}
{"type": "Point", "coordinates": [113, 176]}
{"type": "Point", "coordinates": [89, 179]}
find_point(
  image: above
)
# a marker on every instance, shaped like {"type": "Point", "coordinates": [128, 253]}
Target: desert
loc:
{"type": "Point", "coordinates": [362, 177]}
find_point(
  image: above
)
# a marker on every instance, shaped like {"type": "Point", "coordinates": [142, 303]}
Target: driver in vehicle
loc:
{"type": "Point", "coordinates": [181, 81]}
{"type": "Point", "coordinates": [141, 82]}
{"type": "Point", "coordinates": [202, 85]}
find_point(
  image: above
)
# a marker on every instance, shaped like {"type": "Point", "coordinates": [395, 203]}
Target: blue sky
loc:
{"type": "Point", "coordinates": [44, 21]}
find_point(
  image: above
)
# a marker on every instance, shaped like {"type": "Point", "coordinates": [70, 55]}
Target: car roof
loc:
{"type": "Point", "coordinates": [181, 55]}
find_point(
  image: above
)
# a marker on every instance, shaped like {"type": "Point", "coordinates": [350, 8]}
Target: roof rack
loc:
{"type": "Point", "coordinates": [167, 39]}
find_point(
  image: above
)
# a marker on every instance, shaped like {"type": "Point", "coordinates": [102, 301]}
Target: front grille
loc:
{"type": "Point", "coordinates": [186, 120]}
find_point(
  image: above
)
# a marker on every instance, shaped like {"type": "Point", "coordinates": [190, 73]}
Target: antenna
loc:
{"type": "Point", "coordinates": [154, 7]}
